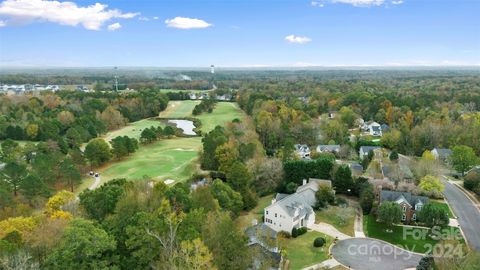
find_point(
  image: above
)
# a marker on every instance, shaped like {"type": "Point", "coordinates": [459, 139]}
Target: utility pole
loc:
{"type": "Point", "coordinates": [116, 79]}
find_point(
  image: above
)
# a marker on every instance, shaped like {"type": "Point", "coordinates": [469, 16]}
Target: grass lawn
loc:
{"type": "Point", "coordinates": [301, 252]}
{"type": "Point", "coordinates": [444, 206]}
{"type": "Point", "coordinates": [341, 218]}
{"type": "Point", "coordinates": [377, 230]}
{"type": "Point", "coordinates": [179, 109]}
{"type": "Point", "coordinates": [224, 112]}
{"type": "Point", "coordinates": [166, 159]}
{"type": "Point", "coordinates": [245, 218]}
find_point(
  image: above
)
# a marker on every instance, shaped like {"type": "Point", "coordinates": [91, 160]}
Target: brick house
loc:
{"type": "Point", "coordinates": [410, 204]}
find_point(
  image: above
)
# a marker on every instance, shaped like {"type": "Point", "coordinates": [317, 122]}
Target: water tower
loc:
{"type": "Point", "coordinates": [212, 69]}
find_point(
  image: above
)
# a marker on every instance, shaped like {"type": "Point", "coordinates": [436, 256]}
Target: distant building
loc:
{"type": "Point", "coordinates": [302, 150]}
{"type": "Point", "coordinates": [364, 150]}
{"type": "Point", "coordinates": [289, 211]}
{"type": "Point", "coordinates": [442, 153]}
{"type": "Point", "coordinates": [329, 148]}
{"type": "Point", "coordinates": [410, 204]}
{"type": "Point", "coordinates": [356, 168]}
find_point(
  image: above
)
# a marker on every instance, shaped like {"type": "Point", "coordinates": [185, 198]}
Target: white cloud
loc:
{"type": "Point", "coordinates": [2, 23]}
{"type": "Point", "coordinates": [356, 3]}
{"type": "Point", "coordinates": [360, 3]}
{"type": "Point", "coordinates": [142, 18]}
{"type": "Point", "coordinates": [186, 23]}
{"type": "Point", "coordinates": [155, 18]}
{"type": "Point", "coordinates": [91, 17]}
{"type": "Point", "coordinates": [114, 26]}
{"type": "Point", "coordinates": [317, 4]}
{"type": "Point", "coordinates": [297, 39]}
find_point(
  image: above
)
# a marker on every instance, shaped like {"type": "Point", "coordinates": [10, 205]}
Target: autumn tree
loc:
{"type": "Point", "coordinates": [463, 158]}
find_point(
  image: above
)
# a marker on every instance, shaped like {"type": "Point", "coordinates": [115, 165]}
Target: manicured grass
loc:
{"type": "Point", "coordinates": [377, 230]}
{"type": "Point", "coordinates": [175, 158]}
{"type": "Point", "coordinates": [301, 252]}
{"type": "Point", "coordinates": [245, 218]}
{"type": "Point", "coordinates": [444, 206]}
{"type": "Point", "coordinates": [223, 113]}
{"type": "Point", "coordinates": [179, 109]}
{"type": "Point", "coordinates": [133, 129]}
{"type": "Point", "coordinates": [342, 219]}
{"type": "Point", "coordinates": [166, 159]}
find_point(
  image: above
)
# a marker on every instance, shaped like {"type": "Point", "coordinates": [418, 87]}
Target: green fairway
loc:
{"type": "Point", "coordinates": [166, 159]}
{"type": "Point", "coordinates": [224, 112]}
{"type": "Point", "coordinates": [174, 158]}
{"type": "Point", "coordinates": [179, 109]}
{"type": "Point", "coordinates": [133, 129]}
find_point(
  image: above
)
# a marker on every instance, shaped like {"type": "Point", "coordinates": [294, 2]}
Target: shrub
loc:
{"type": "Point", "coordinates": [319, 242]}
{"type": "Point", "coordinates": [341, 201]}
{"type": "Point", "coordinates": [297, 232]}
{"type": "Point", "coordinates": [426, 263]}
{"type": "Point", "coordinates": [284, 234]}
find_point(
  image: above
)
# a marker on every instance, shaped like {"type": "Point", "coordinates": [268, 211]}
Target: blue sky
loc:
{"type": "Point", "coordinates": [239, 33]}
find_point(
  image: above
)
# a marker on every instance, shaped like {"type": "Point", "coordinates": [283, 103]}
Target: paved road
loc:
{"type": "Point", "coordinates": [468, 215]}
{"type": "Point", "coordinates": [367, 254]}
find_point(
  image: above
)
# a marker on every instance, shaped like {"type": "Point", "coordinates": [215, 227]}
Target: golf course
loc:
{"type": "Point", "coordinates": [174, 159]}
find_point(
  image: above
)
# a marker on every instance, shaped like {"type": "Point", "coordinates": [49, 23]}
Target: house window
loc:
{"type": "Point", "coordinates": [414, 217]}
{"type": "Point", "coordinates": [404, 208]}
{"type": "Point", "coordinates": [404, 217]}
{"type": "Point", "coordinates": [266, 212]}
{"type": "Point", "coordinates": [275, 214]}
{"type": "Point", "coordinates": [418, 207]}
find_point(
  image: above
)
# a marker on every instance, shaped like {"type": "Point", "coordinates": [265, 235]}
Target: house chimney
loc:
{"type": "Point", "coordinates": [304, 182]}
{"type": "Point", "coordinates": [274, 200]}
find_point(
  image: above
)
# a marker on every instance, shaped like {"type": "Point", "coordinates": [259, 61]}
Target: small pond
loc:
{"type": "Point", "coordinates": [186, 125]}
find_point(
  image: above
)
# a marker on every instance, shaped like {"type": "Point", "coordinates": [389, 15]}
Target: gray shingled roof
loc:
{"type": "Point", "coordinates": [392, 196]}
{"type": "Point", "coordinates": [443, 152]}
{"type": "Point", "coordinates": [330, 147]}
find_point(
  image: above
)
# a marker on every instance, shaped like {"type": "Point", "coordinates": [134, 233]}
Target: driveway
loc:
{"type": "Point", "coordinates": [367, 254]}
{"type": "Point", "coordinates": [468, 216]}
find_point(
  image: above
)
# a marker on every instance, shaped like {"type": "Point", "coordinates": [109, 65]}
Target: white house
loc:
{"type": "Point", "coordinates": [364, 150]}
{"type": "Point", "coordinates": [302, 150]}
{"type": "Point", "coordinates": [374, 128]}
{"type": "Point", "coordinates": [289, 211]}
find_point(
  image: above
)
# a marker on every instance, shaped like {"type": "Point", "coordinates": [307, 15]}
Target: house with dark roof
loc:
{"type": "Point", "coordinates": [410, 204]}
{"type": "Point", "coordinates": [289, 211]}
{"type": "Point", "coordinates": [356, 168]}
{"type": "Point", "coordinates": [330, 148]}
{"type": "Point", "coordinates": [442, 154]}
